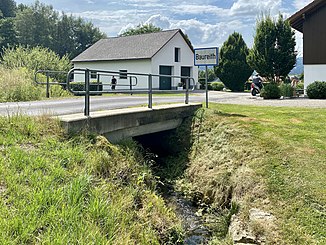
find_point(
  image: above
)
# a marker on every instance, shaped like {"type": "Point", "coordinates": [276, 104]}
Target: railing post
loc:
{"type": "Point", "coordinates": [150, 91]}
{"type": "Point", "coordinates": [187, 91]}
{"type": "Point", "coordinates": [130, 81]}
{"type": "Point", "coordinates": [86, 110]}
{"type": "Point", "coordinates": [47, 93]}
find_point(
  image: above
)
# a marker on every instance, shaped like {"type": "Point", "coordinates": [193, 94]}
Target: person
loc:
{"type": "Point", "coordinates": [294, 84]}
{"type": "Point", "coordinates": [113, 83]}
{"type": "Point", "coordinates": [257, 80]}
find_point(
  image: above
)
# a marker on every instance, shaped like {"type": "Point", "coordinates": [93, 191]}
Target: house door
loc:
{"type": "Point", "coordinates": [185, 71]}
{"type": "Point", "coordinates": [165, 82]}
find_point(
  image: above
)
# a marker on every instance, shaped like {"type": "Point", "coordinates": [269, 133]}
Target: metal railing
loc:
{"type": "Point", "coordinates": [150, 90]}
{"type": "Point", "coordinates": [52, 78]}
{"type": "Point", "coordinates": [81, 78]}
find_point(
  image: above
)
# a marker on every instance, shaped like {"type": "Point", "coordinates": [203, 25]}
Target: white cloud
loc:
{"type": "Point", "coordinates": [299, 4]}
{"type": "Point", "coordinates": [254, 7]}
{"type": "Point", "coordinates": [199, 9]}
{"type": "Point", "coordinates": [159, 21]}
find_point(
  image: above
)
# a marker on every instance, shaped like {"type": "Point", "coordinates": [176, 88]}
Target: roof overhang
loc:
{"type": "Point", "coordinates": [107, 60]}
{"type": "Point", "coordinates": [297, 19]}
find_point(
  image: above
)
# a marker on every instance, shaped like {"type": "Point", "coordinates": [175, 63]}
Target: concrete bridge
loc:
{"type": "Point", "coordinates": [125, 123]}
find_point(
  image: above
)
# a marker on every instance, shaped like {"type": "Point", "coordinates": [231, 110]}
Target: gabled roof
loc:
{"type": "Point", "coordinates": [297, 20]}
{"type": "Point", "coordinates": [143, 46]}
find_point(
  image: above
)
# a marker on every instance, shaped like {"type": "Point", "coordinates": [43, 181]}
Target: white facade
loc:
{"type": "Point", "coordinates": [314, 73]}
{"type": "Point", "coordinates": [136, 66]}
{"type": "Point", "coordinates": [164, 57]}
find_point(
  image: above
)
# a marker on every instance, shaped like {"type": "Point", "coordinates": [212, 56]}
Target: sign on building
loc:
{"type": "Point", "coordinates": [206, 57]}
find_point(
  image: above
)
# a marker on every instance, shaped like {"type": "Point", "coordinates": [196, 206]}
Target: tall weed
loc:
{"type": "Point", "coordinates": [17, 85]}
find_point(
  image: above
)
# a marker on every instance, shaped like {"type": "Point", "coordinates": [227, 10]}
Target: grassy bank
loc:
{"type": "Point", "coordinates": [56, 189]}
{"type": "Point", "coordinates": [229, 159]}
{"type": "Point", "coordinates": [271, 159]}
{"type": "Point", "coordinates": [18, 85]}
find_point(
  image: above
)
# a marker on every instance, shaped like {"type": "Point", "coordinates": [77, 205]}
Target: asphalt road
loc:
{"type": "Point", "coordinates": [98, 103]}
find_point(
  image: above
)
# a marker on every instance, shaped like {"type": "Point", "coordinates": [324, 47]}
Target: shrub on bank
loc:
{"type": "Point", "coordinates": [317, 90]}
{"type": "Point", "coordinates": [217, 86]}
{"type": "Point", "coordinates": [286, 90]}
{"type": "Point", "coordinates": [17, 85]}
{"type": "Point", "coordinates": [271, 91]}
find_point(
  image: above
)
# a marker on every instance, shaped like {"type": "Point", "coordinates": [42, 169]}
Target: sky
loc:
{"type": "Point", "coordinates": [208, 23]}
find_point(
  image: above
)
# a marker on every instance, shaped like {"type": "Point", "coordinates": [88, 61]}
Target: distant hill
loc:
{"type": "Point", "coordinates": [298, 69]}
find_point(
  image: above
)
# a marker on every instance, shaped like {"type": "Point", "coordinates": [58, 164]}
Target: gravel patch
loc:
{"type": "Point", "coordinates": [248, 99]}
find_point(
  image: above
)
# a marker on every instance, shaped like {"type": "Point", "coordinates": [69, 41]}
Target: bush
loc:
{"type": "Point", "coordinates": [300, 85]}
{"type": "Point", "coordinates": [217, 86]}
{"type": "Point", "coordinates": [34, 59]}
{"type": "Point", "coordinates": [18, 85]}
{"type": "Point", "coordinates": [286, 90]}
{"type": "Point", "coordinates": [317, 90]}
{"type": "Point", "coordinates": [271, 91]}
{"type": "Point", "coordinates": [80, 86]}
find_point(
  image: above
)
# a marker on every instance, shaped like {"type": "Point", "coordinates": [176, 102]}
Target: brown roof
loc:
{"type": "Point", "coordinates": [297, 20]}
{"type": "Point", "coordinates": [143, 46]}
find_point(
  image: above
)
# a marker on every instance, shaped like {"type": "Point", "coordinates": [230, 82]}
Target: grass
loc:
{"type": "Point", "coordinates": [60, 189]}
{"type": "Point", "coordinates": [18, 85]}
{"type": "Point", "coordinates": [261, 157]}
{"type": "Point", "coordinates": [56, 189]}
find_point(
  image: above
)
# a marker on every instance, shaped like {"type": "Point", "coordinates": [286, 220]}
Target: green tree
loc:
{"type": "Point", "coordinates": [141, 29]}
{"type": "Point", "coordinates": [7, 33]}
{"type": "Point", "coordinates": [64, 36]}
{"type": "Point", "coordinates": [211, 75]}
{"type": "Point", "coordinates": [36, 58]}
{"type": "Point", "coordinates": [273, 54]}
{"type": "Point", "coordinates": [7, 8]}
{"type": "Point", "coordinates": [85, 34]}
{"type": "Point", "coordinates": [233, 69]}
{"type": "Point", "coordinates": [35, 25]}
{"type": "Point", "coordinates": [41, 25]}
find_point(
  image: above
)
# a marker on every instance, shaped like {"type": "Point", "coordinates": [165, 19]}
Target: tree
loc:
{"type": "Point", "coordinates": [7, 33]}
{"type": "Point", "coordinates": [233, 69]}
{"type": "Point", "coordinates": [35, 25]}
{"type": "Point", "coordinates": [7, 8]}
{"type": "Point", "coordinates": [273, 54]}
{"type": "Point", "coordinates": [211, 75]}
{"type": "Point", "coordinates": [41, 25]}
{"type": "Point", "coordinates": [141, 29]}
{"type": "Point", "coordinates": [85, 35]}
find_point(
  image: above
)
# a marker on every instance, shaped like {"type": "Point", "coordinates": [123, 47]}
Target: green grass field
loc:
{"type": "Point", "coordinates": [271, 158]}
{"type": "Point", "coordinates": [59, 189]}
{"type": "Point", "coordinates": [56, 189]}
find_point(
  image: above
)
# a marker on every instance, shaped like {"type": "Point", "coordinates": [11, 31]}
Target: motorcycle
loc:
{"type": "Point", "coordinates": [256, 86]}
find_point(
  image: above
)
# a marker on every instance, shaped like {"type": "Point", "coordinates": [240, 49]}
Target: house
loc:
{"type": "Point", "coordinates": [311, 22]}
{"type": "Point", "coordinates": [166, 52]}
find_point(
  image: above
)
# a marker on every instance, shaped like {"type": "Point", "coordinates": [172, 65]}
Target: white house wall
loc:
{"type": "Point", "coordinates": [165, 57]}
{"type": "Point", "coordinates": [314, 73]}
{"type": "Point", "coordinates": [136, 66]}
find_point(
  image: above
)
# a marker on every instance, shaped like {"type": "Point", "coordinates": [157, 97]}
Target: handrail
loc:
{"type": "Point", "coordinates": [133, 82]}
{"type": "Point", "coordinates": [86, 72]}
{"type": "Point", "coordinates": [48, 83]}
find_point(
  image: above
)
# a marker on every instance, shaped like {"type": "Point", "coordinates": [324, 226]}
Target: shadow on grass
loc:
{"type": "Point", "coordinates": [223, 114]}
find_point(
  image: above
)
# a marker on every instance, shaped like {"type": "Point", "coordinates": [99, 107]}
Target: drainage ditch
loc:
{"type": "Point", "coordinates": [160, 147]}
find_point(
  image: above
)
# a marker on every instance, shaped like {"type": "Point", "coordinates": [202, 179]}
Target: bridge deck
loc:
{"type": "Point", "coordinates": [128, 122]}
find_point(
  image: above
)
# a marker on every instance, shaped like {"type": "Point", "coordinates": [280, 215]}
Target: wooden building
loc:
{"type": "Point", "coordinates": [311, 22]}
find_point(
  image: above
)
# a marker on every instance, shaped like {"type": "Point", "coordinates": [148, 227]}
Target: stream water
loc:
{"type": "Point", "coordinates": [193, 224]}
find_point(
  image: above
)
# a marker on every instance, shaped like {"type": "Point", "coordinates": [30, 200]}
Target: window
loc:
{"type": "Point", "coordinates": [176, 54]}
{"type": "Point", "coordinates": [93, 75]}
{"type": "Point", "coordinates": [123, 74]}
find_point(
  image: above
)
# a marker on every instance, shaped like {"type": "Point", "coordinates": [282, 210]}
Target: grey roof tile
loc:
{"type": "Point", "coordinates": [143, 46]}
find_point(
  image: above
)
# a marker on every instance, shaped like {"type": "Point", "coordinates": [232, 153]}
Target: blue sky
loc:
{"type": "Point", "coordinates": [207, 22]}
